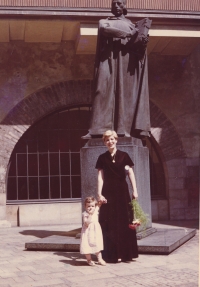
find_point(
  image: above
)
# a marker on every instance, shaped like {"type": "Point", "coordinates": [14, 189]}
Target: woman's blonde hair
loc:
{"type": "Point", "coordinates": [109, 133]}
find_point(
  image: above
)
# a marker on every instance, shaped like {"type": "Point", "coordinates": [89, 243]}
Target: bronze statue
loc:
{"type": "Point", "coordinates": [121, 96]}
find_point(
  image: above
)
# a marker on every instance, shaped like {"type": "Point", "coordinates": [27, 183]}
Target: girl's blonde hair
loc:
{"type": "Point", "coordinates": [109, 133]}
{"type": "Point", "coordinates": [90, 199]}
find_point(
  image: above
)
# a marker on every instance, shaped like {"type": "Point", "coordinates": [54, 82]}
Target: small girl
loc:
{"type": "Point", "coordinates": [91, 234]}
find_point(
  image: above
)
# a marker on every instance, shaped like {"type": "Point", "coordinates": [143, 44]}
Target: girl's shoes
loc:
{"type": "Point", "coordinates": [102, 262]}
{"type": "Point", "coordinates": [90, 262]}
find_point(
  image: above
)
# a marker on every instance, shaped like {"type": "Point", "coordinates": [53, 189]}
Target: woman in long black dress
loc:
{"type": "Point", "coordinates": [120, 243]}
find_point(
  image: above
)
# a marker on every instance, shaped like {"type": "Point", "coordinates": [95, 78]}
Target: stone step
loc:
{"type": "Point", "coordinates": [4, 224]}
{"type": "Point", "coordinates": [163, 241]}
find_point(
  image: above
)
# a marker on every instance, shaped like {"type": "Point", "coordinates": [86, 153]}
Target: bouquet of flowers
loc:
{"type": "Point", "coordinates": [139, 217]}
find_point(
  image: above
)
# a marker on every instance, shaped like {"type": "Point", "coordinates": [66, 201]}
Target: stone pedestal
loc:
{"type": "Point", "coordinates": [140, 156]}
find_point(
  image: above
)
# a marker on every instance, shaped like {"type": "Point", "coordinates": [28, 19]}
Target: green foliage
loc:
{"type": "Point", "coordinates": [138, 213]}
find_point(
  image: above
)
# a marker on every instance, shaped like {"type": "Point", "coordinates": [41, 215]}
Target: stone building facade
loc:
{"type": "Point", "coordinates": [47, 57]}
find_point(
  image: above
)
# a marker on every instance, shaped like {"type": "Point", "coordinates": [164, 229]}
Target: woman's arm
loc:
{"type": "Point", "coordinates": [100, 179]}
{"type": "Point", "coordinates": [133, 182]}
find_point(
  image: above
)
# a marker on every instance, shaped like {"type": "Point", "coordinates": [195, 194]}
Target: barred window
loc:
{"type": "Point", "coordinates": [45, 164]}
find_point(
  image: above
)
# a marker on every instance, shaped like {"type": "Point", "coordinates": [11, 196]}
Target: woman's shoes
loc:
{"type": "Point", "coordinates": [102, 262]}
{"type": "Point", "coordinates": [90, 263]}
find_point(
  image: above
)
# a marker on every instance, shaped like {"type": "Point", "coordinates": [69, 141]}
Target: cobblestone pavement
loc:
{"type": "Point", "coordinates": [22, 268]}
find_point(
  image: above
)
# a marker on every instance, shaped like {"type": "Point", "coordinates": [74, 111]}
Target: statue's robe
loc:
{"type": "Point", "coordinates": [121, 95]}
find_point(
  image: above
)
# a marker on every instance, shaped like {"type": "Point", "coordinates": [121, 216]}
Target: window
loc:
{"type": "Point", "coordinates": [45, 164]}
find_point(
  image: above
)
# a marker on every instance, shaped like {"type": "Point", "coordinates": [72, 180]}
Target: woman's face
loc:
{"type": "Point", "coordinates": [117, 7]}
{"type": "Point", "coordinates": [110, 142]}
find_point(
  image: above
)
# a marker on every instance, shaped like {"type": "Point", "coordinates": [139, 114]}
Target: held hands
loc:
{"type": "Point", "coordinates": [102, 199]}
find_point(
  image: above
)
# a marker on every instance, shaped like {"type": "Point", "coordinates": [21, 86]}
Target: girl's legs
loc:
{"type": "Point", "coordinates": [89, 260]}
{"type": "Point", "coordinates": [100, 260]}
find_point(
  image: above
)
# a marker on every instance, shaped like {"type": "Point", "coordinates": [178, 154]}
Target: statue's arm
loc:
{"type": "Point", "coordinates": [108, 31]}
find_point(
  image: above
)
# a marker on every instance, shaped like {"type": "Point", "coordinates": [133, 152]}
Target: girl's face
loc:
{"type": "Point", "coordinates": [110, 142]}
{"type": "Point", "coordinates": [90, 207]}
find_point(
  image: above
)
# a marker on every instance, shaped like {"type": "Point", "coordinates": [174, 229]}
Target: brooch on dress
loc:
{"type": "Point", "coordinates": [113, 157]}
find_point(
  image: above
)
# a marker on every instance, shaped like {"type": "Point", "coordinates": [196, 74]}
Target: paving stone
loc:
{"type": "Point", "coordinates": [8, 281]}
{"type": "Point", "coordinates": [7, 275]}
{"type": "Point", "coordinates": [91, 277]}
{"type": "Point", "coordinates": [124, 272]}
{"type": "Point", "coordinates": [23, 273]}
{"type": "Point", "coordinates": [124, 281]}
{"type": "Point", "coordinates": [23, 279]}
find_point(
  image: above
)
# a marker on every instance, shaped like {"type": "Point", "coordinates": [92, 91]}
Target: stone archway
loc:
{"type": "Point", "coordinates": [59, 96]}
{"type": "Point", "coordinates": [33, 108]}
{"type": "Point", "coordinates": [165, 134]}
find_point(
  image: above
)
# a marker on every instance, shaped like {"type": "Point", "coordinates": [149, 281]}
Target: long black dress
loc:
{"type": "Point", "coordinates": [119, 240]}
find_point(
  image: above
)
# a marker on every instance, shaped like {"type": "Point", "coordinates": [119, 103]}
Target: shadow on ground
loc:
{"type": "Point", "coordinates": [73, 258]}
{"type": "Point", "coordinates": [45, 233]}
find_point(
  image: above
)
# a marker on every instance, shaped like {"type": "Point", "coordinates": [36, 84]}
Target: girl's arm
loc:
{"type": "Point", "coordinates": [133, 182]}
{"type": "Point", "coordinates": [100, 179]}
{"type": "Point", "coordinates": [87, 219]}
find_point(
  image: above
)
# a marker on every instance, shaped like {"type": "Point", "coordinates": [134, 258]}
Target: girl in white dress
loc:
{"type": "Point", "coordinates": [91, 234]}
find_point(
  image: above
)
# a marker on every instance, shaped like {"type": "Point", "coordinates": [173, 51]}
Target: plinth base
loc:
{"type": "Point", "coordinates": [139, 235]}
{"type": "Point", "coordinates": [163, 241]}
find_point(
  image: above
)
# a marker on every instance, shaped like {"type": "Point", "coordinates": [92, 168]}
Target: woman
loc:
{"type": "Point", "coordinates": [120, 241]}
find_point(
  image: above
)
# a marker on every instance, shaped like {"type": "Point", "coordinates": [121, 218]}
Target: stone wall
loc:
{"type": "Point", "coordinates": [174, 87]}
{"type": "Point", "coordinates": [44, 214]}
{"type": "Point", "coordinates": [27, 67]}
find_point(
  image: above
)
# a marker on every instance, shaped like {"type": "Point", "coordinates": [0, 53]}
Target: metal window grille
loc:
{"type": "Point", "coordinates": [45, 164]}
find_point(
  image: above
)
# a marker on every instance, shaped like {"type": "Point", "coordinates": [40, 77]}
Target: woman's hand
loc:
{"type": "Point", "coordinates": [135, 195]}
{"type": "Point", "coordinates": [102, 199]}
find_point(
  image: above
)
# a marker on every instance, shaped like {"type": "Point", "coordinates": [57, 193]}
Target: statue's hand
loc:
{"type": "Point", "coordinates": [133, 32]}
{"type": "Point", "coordinates": [145, 40]}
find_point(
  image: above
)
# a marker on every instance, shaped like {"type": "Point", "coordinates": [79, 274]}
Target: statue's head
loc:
{"type": "Point", "coordinates": [119, 7]}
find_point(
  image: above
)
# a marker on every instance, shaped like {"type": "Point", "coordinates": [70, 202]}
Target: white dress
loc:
{"type": "Point", "coordinates": [91, 235]}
